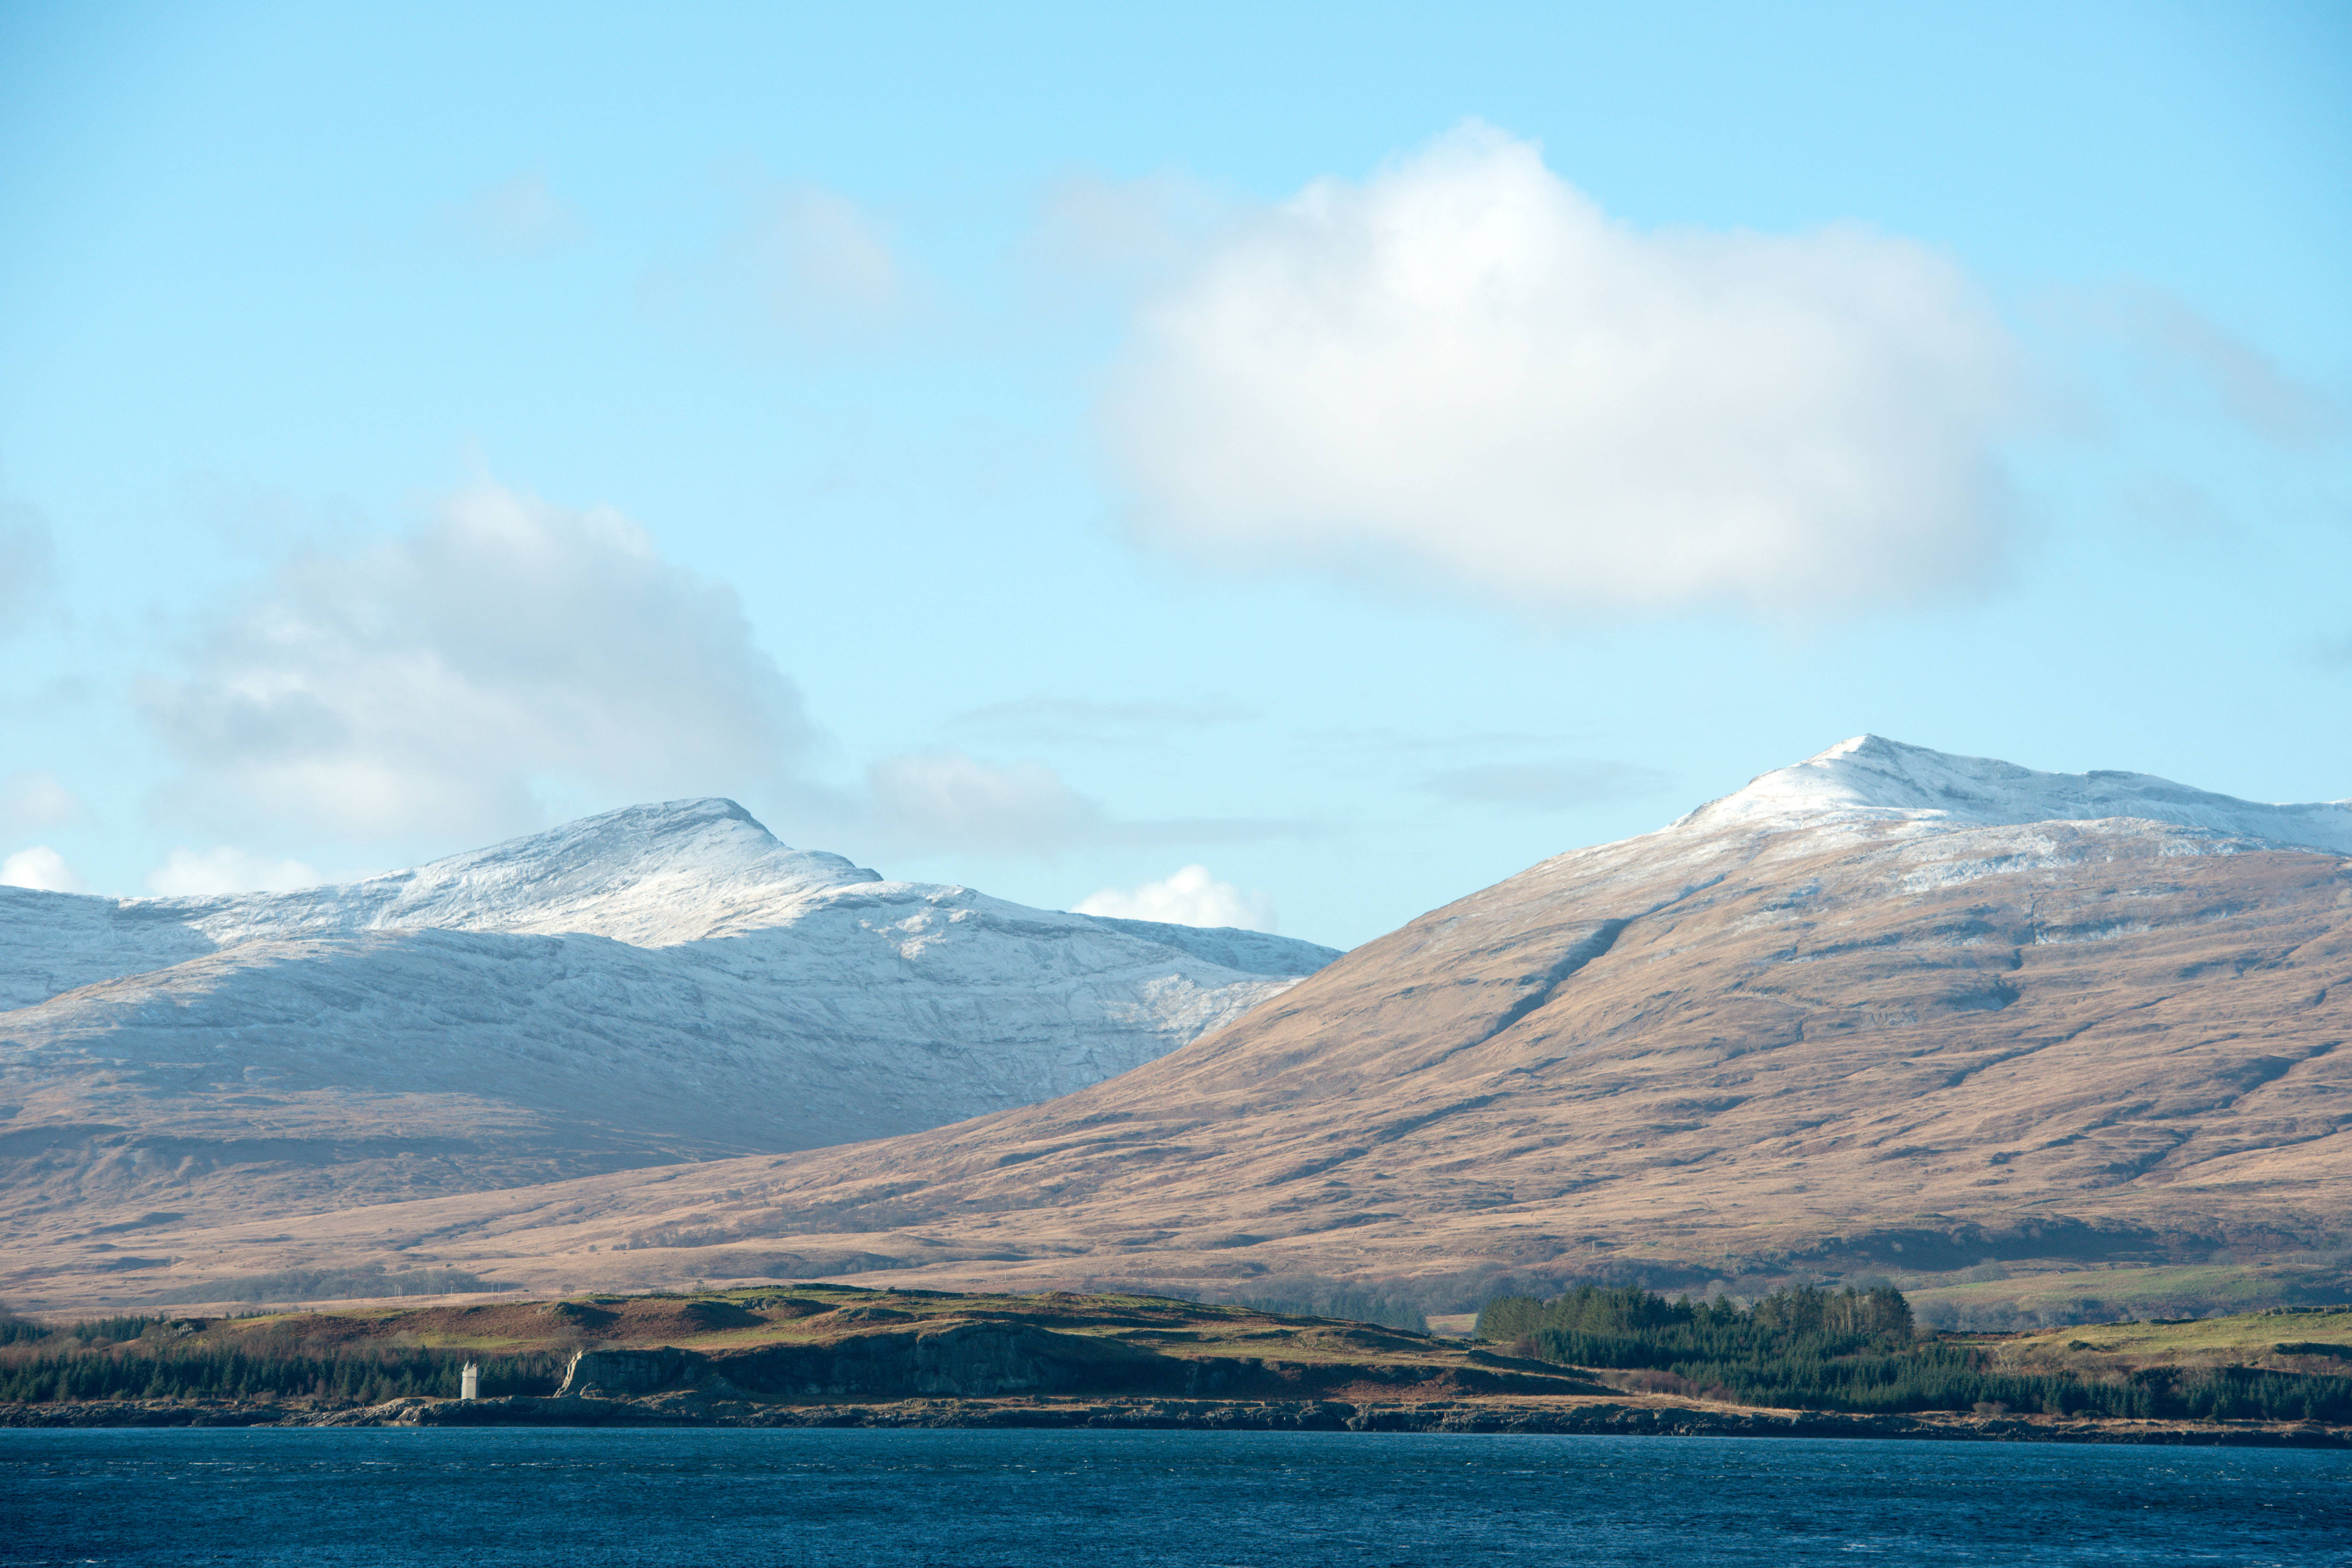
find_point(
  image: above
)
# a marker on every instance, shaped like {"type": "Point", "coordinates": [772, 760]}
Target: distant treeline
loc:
{"type": "Point", "coordinates": [1811, 1349]}
{"type": "Point", "coordinates": [148, 1358]}
{"type": "Point", "coordinates": [332, 1285]}
{"type": "Point", "coordinates": [1355, 1306]}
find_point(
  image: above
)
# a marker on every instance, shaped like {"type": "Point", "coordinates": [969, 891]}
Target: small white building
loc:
{"type": "Point", "coordinates": [470, 1382]}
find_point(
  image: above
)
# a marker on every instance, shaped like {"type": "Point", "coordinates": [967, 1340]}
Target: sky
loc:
{"type": "Point", "coordinates": [1288, 467]}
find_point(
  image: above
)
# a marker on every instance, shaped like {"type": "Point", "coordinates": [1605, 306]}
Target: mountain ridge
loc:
{"type": "Point", "coordinates": [1851, 1034]}
{"type": "Point", "coordinates": [1846, 1031]}
{"type": "Point", "coordinates": [661, 983]}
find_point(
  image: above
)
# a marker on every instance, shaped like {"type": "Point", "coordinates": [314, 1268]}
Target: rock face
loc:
{"type": "Point", "coordinates": [662, 984]}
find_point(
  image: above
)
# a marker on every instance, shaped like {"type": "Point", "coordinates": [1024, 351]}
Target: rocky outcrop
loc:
{"type": "Point", "coordinates": [618, 1374]}
{"type": "Point", "coordinates": [971, 1360]}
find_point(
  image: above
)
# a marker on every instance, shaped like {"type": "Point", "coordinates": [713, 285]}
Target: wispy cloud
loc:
{"type": "Point", "coordinates": [1396, 741]}
{"type": "Point", "coordinates": [25, 554]}
{"type": "Point", "coordinates": [951, 801]}
{"type": "Point", "coordinates": [518, 216]}
{"type": "Point", "coordinates": [36, 799]}
{"type": "Point", "coordinates": [1104, 240]}
{"type": "Point", "coordinates": [1071, 721]}
{"type": "Point", "coordinates": [2186, 355]}
{"type": "Point", "coordinates": [805, 267]}
{"type": "Point", "coordinates": [1545, 786]}
{"type": "Point", "coordinates": [948, 800]}
{"type": "Point", "coordinates": [2328, 653]}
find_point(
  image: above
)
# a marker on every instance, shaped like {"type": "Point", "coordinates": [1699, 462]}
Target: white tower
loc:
{"type": "Point", "coordinates": [469, 1383]}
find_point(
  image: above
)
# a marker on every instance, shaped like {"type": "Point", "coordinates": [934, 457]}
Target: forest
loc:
{"type": "Point", "coordinates": [1805, 1348]}
{"type": "Point", "coordinates": [157, 1358]}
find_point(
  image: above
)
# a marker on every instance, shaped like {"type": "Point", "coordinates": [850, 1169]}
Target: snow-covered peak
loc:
{"type": "Point", "coordinates": [649, 875]}
{"type": "Point", "coordinates": [1871, 777]}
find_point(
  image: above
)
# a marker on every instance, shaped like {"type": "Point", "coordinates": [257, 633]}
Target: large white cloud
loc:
{"type": "Point", "coordinates": [1463, 369]}
{"type": "Point", "coordinates": [458, 678]}
{"type": "Point", "coordinates": [1189, 896]}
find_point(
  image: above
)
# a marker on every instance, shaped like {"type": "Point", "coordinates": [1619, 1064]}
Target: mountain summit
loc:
{"type": "Point", "coordinates": [662, 983]}
{"type": "Point", "coordinates": [1872, 779]}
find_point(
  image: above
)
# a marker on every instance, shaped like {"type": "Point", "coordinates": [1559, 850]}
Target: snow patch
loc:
{"type": "Point", "coordinates": [1871, 779]}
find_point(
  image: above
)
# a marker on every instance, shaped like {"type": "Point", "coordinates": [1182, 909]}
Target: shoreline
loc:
{"type": "Point", "coordinates": [1469, 1417]}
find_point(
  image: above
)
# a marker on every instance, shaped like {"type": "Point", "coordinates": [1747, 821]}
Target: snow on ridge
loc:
{"type": "Point", "coordinates": [664, 977]}
{"type": "Point", "coordinates": [674, 875]}
{"type": "Point", "coordinates": [652, 876]}
{"type": "Point", "coordinates": [1871, 777]}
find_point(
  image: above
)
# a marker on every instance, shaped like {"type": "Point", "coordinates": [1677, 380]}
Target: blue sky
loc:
{"type": "Point", "coordinates": [1359, 451]}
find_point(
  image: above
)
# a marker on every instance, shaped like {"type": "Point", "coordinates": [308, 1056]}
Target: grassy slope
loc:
{"type": "Point", "coordinates": [2097, 1295]}
{"type": "Point", "coordinates": [1329, 1352]}
{"type": "Point", "coordinates": [743, 1319]}
{"type": "Point", "coordinates": [2248, 1339]}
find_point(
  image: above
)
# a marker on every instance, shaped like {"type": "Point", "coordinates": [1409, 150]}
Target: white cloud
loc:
{"type": "Point", "coordinates": [1464, 368]}
{"type": "Point", "coordinates": [1074, 720]}
{"type": "Point", "coordinates": [2186, 352]}
{"type": "Point", "coordinates": [450, 679]}
{"type": "Point", "coordinates": [1189, 897]}
{"type": "Point", "coordinates": [195, 873]}
{"type": "Point", "coordinates": [24, 560]}
{"type": "Point", "coordinates": [520, 216]}
{"type": "Point", "coordinates": [31, 799]}
{"type": "Point", "coordinates": [43, 868]}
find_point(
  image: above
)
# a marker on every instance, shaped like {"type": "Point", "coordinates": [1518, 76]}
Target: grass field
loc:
{"type": "Point", "coordinates": [2024, 1302]}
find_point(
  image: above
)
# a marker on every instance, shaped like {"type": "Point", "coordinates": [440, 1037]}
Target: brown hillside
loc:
{"type": "Point", "coordinates": [1852, 1045]}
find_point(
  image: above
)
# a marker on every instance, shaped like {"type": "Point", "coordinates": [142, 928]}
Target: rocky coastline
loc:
{"type": "Point", "coordinates": [1468, 1417]}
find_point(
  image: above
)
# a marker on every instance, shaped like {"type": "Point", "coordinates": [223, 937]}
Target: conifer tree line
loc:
{"type": "Point", "coordinates": [1355, 1306]}
{"type": "Point", "coordinates": [1811, 1349]}
{"type": "Point", "coordinates": [151, 1358]}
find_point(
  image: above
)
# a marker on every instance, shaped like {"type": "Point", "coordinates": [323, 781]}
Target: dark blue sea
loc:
{"type": "Point", "coordinates": [407, 1499]}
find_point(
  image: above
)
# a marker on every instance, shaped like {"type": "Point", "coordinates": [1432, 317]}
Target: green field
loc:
{"type": "Point", "coordinates": [2023, 1301]}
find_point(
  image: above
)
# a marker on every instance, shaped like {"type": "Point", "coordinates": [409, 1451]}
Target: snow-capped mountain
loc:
{"type": "Point", "coordinates": [1885, 1010]}
{"type": "Point", "coordinates": [1870, 778]}
{"type": "Point", "coordinates": [659, 982]}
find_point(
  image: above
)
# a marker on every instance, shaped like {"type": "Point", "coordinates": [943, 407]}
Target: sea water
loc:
{"type": "Point", "coordinates": [405, 1499]}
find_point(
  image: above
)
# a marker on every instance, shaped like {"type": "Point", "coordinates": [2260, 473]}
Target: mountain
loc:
{"type": "Point", "coordinates": [1886, 1010]}
{"type": "Point", "coordinates": [660, 983]}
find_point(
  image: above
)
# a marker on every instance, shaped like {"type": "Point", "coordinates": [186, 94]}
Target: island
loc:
{"type": "Point", "coordinates": [1800, 1363]}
